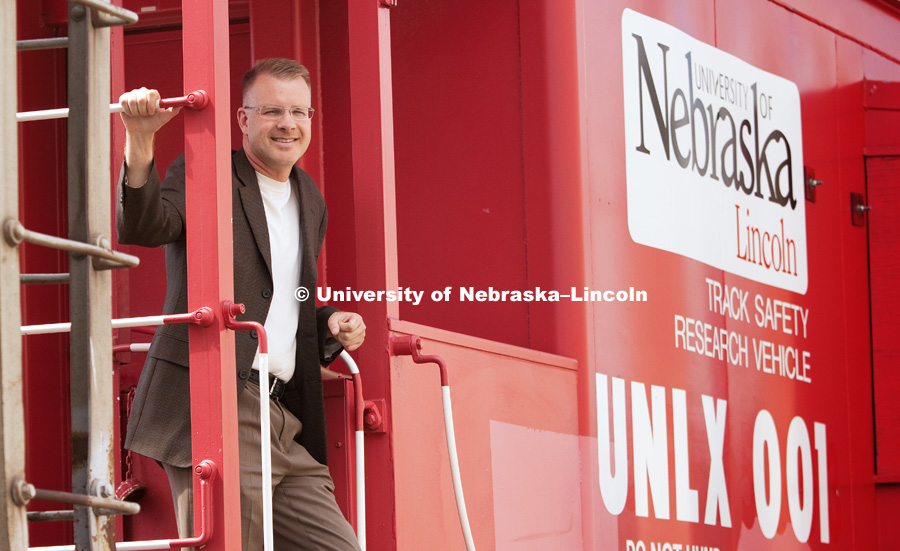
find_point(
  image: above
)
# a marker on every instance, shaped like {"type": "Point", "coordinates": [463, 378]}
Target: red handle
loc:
{"type": "Point", "coordinates": [198, 99]}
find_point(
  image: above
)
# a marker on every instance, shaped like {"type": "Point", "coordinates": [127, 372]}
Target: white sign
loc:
{"type": "Point", "coordinates": [714, 156]}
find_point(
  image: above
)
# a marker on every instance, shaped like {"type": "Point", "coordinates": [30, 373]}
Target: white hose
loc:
{"type": "Point", "coordinates": [360, 467]}
{"type": "Point", "coordinates": [266, 451]}
{"type": "Point", "coordinates": [360, 491]}
{"type": "Point", "coordinates": [454, 469]}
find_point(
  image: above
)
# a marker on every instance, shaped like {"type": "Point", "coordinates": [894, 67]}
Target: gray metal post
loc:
{"type": "Point", "coordinates": [90, 290]}
{"type": "Point", "coordinates": [13, 527]}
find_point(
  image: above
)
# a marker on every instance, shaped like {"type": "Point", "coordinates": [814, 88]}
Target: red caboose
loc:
{"type": "Point", "coordinates": [652, 242]}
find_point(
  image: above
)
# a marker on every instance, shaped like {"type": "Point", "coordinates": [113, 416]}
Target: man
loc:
{"type": "Point", "coordinates": [279, 220]}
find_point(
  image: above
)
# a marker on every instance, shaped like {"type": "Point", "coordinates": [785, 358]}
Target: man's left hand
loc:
{"type": "Point", "coordinates": [348, 328]}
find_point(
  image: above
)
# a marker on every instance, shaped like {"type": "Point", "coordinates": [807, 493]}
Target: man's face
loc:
{"type": "Point", "coordinates": [273, 146]}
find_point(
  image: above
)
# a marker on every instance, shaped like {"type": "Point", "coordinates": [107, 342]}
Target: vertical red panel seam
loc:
{"type": "Point", "coordinates": [524, 179]}
{"type": "Point", "coordinates": [715, 24]}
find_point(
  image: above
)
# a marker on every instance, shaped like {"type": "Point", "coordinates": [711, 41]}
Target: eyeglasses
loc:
{"type": "Point", "coordinates": [275, 113]}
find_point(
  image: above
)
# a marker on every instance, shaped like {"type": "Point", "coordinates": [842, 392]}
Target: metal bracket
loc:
{"type": "Point", "coordinates": [858, 209]}
{"type": "Point", "coordinates": [21, 492]}
{"type": "Point", "coordinates": [104, 14]}
{"type": "Point", "coordinates": [372, 416]}
{"type": "Point", "coordinates": [810, 184]}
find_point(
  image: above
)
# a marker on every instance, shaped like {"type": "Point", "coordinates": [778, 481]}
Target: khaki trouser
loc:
{"type": "Point", "coordinates": [306, 516]}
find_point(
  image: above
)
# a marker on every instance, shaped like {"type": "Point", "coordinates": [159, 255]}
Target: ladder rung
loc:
{"type": "Point", "coordinates": [42, 43]}
{"type": "Point", "coordinates": [95, 502]}
{"type": "Point", "coordinates": [15, 233]}
{"type": "Point", "coordinates": [67, 515]}
{"type": "Point", "coordinates": [44, 279]}
{"type": "Point", "coordinates": [22, 493]}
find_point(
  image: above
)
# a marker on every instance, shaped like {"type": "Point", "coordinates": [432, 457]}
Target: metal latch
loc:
{"type": "Point", "coordinates": [858, 209]}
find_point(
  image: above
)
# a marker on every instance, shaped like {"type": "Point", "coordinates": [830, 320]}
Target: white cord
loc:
{"type": "Point", "coordinates": [266, 451]}
{"type": "Point", "coordinates": [360, 468]}
{"type": "Point", "coordinates": [454, 469]}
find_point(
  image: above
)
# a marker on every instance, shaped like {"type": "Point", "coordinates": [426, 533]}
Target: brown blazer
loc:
{"type": "Point", "coordinates": [153, 216]}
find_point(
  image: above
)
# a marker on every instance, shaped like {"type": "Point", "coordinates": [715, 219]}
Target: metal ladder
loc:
{"type": "Point", "coordinates": [90, 291]}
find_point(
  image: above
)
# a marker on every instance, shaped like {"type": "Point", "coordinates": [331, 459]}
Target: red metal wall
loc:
{"type": "Point", "coordinates": [519, 464]}
{"type": "Point", "coordinates": [461, 194]}
{"type": "Point", "coordinates": [882, 172]}
{"type": "Point", "coordinates": [805, 46]}
{"type": "Point", "coordinates": [441, 55]}
{"type": "Point", "coordinates": [485, 105]}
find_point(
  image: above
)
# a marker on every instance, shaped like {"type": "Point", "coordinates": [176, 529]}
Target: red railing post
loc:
{"type": "Point", "coordinates": [209, 249]}
{"type": "Point", "coordinates": [375, 221]}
